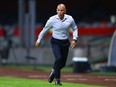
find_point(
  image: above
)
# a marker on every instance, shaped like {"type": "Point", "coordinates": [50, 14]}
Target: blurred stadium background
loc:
{"type": "Point", "coordinates": [22, 20]}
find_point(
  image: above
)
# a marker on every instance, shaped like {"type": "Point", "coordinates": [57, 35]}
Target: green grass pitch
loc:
{"type": "Point", "coordinates": [19, 82]}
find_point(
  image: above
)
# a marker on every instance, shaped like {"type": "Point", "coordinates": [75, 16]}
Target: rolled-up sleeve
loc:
{"type": "Point", "coordinates": [74, 29]}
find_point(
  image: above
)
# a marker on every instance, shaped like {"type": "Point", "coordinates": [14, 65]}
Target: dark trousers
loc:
{"type": "Point", "coordinates": [60, 50]}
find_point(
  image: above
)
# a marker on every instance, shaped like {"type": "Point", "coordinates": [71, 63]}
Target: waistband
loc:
{"type": "Point", "coordinates": [60, 39]}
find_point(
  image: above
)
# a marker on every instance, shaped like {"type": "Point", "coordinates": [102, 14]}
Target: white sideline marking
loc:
{"type": "Point", "coordinates": [72, 75]}
{"type": "Point", "coordinates": [101, 76]}
{"type": "Point", "coordinates": [37, 76]}
{"type": "Point", "coordinates": [83, 79]}
{"type": "Point", "coordinates": [72, 79]}
{"type": "Point", "coordinates": [110, 79]}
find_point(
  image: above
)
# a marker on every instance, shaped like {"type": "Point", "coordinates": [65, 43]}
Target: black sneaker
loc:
{"type": "Point", "coordinates": [58, 82]}
{"type": "Point", "coordinates": [51, 77]}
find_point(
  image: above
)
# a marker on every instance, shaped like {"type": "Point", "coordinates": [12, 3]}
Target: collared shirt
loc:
{"type": "Point", "coordinates": [60, 28]}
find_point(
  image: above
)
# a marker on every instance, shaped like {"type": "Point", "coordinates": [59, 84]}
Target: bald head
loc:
{"type": "Point", "coordinates": [61, 10]}
{"type": "Point", "coordinates": [61, 6]}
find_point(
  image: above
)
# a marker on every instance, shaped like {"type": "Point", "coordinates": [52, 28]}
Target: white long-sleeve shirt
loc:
{"type": "Point", "coordinates": [60, 28]}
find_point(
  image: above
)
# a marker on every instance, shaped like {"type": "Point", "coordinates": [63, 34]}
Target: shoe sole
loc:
{"type": "Point", "coordinates": [51, 78]}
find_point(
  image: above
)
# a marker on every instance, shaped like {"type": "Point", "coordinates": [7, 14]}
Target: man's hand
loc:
{"type": "Point", "coordinates": [73, 43]}
{"type": "Point", "coordinates": [37, 44]}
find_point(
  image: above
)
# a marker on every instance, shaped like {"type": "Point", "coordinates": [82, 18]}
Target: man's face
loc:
{"type": "Point", "coordinates": [61, 10]}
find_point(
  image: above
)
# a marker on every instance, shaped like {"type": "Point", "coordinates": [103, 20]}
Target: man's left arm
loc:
{"type": "Point", "coordinates": [75, 34]}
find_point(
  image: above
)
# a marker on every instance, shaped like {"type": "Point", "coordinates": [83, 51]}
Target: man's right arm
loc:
{"type": "Point", "coordinates": [43, 32]}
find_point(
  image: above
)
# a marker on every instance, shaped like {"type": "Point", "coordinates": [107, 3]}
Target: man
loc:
{"type": "Point", "coordinates": [5, 45]}
{"type": "Point", "coordinates": [60, 25]}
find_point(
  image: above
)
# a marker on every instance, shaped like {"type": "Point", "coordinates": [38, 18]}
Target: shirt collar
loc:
{"type": "Point", "coordinates": [57, 17]}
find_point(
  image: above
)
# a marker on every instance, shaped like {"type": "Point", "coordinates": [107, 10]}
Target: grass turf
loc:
{"type": "Point", "coordinates": [19, 82]}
